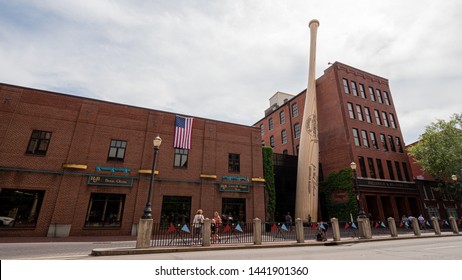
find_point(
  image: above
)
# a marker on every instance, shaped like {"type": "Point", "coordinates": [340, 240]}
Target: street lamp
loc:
{"type": "Point", "coordinates": [148, 210]}
{"type": "Point", "coordinates": [361, 212]}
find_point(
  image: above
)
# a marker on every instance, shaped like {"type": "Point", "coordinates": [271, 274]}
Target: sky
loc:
{"type": "Point", "coordinates": [223, 60]}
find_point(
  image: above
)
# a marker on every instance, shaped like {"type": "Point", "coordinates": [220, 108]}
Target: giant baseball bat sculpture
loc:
{"type": "Point", "coordinates": [306, 200]}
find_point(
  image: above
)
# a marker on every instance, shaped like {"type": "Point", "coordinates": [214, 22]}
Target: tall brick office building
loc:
{"type": "Point", "coordinates": [79, 166]}
{"type": "Point", "coordinates": [357, 122]}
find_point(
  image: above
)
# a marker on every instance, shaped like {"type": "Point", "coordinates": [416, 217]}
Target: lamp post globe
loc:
{"type": "Point", "coordinates": [147, 209]}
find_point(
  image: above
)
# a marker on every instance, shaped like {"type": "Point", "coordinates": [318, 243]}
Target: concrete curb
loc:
{"type": "Point", "coordinates": [159, 250]}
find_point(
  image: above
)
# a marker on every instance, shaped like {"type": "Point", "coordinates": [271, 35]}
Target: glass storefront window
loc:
{"type": "Point", "coordinates": [175, 210]}
{"type": "Point", "coordinates": [20, 208]}
{"type": "Point", "coordinates": [105, 210]}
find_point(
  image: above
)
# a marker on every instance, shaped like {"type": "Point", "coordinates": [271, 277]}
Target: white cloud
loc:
{"type": "Point", "coordinates": [224, 59]}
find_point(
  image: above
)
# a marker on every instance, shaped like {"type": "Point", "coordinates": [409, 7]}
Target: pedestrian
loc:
{"type": "Point", "coordinates": [288, 219]}
{"type": "Point", "coordinates": [214, 230]}
{"type": "Point", "coordinates": [421, 220]}
{"type": "Point", "coordinates": [218, 222]}
{"type": "Point", "coordinates": [197, 224]}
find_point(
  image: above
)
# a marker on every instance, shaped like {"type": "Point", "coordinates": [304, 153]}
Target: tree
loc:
{"type": "Point", "coordinates": [439, 151]}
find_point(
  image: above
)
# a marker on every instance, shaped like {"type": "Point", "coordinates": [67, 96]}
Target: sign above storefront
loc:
{"type": "Point", "coordinates": [101, 180]}
{"type": "Point", "coordinates": [233, 188]}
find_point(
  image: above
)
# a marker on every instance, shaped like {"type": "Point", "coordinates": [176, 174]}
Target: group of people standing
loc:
{"type": "Point", "coordinates": [215, 224]}
{"type": "Point", "coordinates": [408, 220]}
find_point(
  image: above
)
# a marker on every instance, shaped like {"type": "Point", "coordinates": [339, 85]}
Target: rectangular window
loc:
{"type": "Point", "coordinates": [356, 137]}
{"type": "Point", "coordinates": [380, 168]}
{"type": "Point", "coordinates": [282, 118]}
{"type": "Point", "coordinates": [359, 111]}
{"type": "Point", "coordinates": [38, 143]}
{"type": "Point", "coordinates": [362, 167]}
{"type": "Point", "coordinates": [387, 99]}
{"type": "Point", "coordinates": [234, 163]}
{"type": "Point", "coordinates": [371, 168]}
{"type": "Point", "coordinates": [354, 89]}
{"type": "Point", "coordinates": [297, 130]}
{"type": "Point", "coordinates": [398, 144]}
{"type": "Point", "coordinates": [379, 95]}
{"type": "Point", "coordinates": [365, 138]}
{"type": "Point", "coordinates": [367, 112]}
{"type": "Point", "coordinates": [406, 172]}
{"type": "Point", "coordinates": [294, 110]}
{"type": "Point", "coordinates": [392, 120]}
{"type": "Point", "coordinates": [377, 117]}
{"type": "Point", "coordinates": [180, 158]}
{"type": "Point", "coordinates": [351, 112]}
{"type": "Point", "coordinates": [345, 86]}
{"type": "Point", "coordinates": [362, 91]}
{"type": "Point", "coordinates": [19, 207]}
{"type": "Point", "coordinates": [385, 119]}
{"type": "Point", "coordinates": [175, 210]}
{"type": "Point", "coordinates": [117, 150]}
{"type": "Point", "coordinates": [262, 129]}
{"type": "Point", "coordinates": [392, 144]}
{"type": "Point", "coordinates": [374, 140]}
{"type": "Point", "coordinates": [105, 210]}
{"type": "Point", "coordinates": [383, 139]}
{"type": "Point", "coordinates": [390, 170]}
{"type": "Point", "coordinates": [270, 124]}
{"type": "Point", "coordinates": [284, 136]}
{"type": "Point", "coordinates": [398, 171]}
{"type": "Point", "coordinates": [371, 93]}
{"type": "Point", "coordinates": [272, 141]}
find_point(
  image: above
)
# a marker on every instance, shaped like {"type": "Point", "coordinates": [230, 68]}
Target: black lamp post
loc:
{"type": "Point", "coordinates": [361, 212]}
{"type": "Point", "coordinates": [148, 210]}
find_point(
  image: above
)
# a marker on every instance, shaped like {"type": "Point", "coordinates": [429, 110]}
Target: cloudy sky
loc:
{"type": "Point", "coordinates": [224, 59]}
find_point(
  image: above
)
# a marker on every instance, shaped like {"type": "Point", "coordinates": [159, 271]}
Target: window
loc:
{"type": "Point", "coordinates": [345, 86]}
{"type": "Point", "coordinates": [392, 144]}
{"type": "Point", "coordinates": [282, 118]}
{"type": "Point", "coordinates": [234, 163]}
{"type": "Point", "coordinates": [406, 172]}
{"type": "Point", "coordinates": [38, 143]}
{"type": "Point", "coordinates": [356, 137]}
{"type": "Point", "coordinates": [20, 208]}
{"type": "Point", "coordinates": [262, 129]}
{"type": "Point", "coordinates": [379, 96]}
{"type": "Point", "coordinates": [371, 93]}
{"type": "Point", "coordinates": [117, 150]}
{"type": "Point", "coordinates": [105, 210]}
{"type": "Point", "coordinates": [272, 141]}
{"type": "Point", "coordinates": [233, 210]}
{"type": "Point", "coordinates": [359, 111]}
{"type": "Point", "coordinates": [387, 99]}
{"type": "Point", "coordinates": [180, 158]}
{"type": "Point", "coordinates": [353, 87]}
{"type": "Point", "coordinates": [362, 166]}
{"type": "Point", "coordinates": [380, 168]}
{"type": "Point", "coordinates": [365, 139]}
{"type": "Point", "coordinates": [175, 210]}
{"type": "Point", "coordinates": [284, 136]}
{"type": "Point", "coordinates": [350, 111]}
{"type": "Point", "coordinates": [433, 212]}
{"type": "Point", "coordinates": [294, 110]}
{"type": "Point", "coordinates": [390, 170]}
{"type": "Point", "coordinates": [270, 124]}
{"type": "Point", "coordinates": [285, 152]}
{"type": "Point", "coordinates": [377, 117]}
{"type": "Point", "coordinates": [263, 142]}
{"type": "Point", "coordinates": [392, 120]}
{"type": "Point", "coordinates": [297, 130]}
{"type": "Point", "coordinates": [398, 171]}
{"type": "Point", "coordinates": [398, 144]}
{"type": "Point", "coordinates": [383, 139]}
{"type": "Point", "coordinates": [385, 119]}
{"type": "Point", "coordinates": [362, 91]}
{"type": "Point", "coordinates": [374, 140]}
{"type": "Point", "coordinates": [371, 167]}
{"type": "Point", "coordinates": [368, 114]}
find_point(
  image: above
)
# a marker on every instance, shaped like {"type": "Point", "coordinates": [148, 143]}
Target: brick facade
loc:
{"type": "Point", "coordinates": [81, 133]}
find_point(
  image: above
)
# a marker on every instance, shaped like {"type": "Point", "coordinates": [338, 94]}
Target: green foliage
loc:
{"type": "Point", "coordinates": [340, 182]}
{"type": "Point", "coordinates": [439, 150]}
{"type": "Point", "coordinates": [268, 174]}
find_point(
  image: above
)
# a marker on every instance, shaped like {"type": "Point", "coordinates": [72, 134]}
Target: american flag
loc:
{"type": "Point", "coordinates": [183, 131]}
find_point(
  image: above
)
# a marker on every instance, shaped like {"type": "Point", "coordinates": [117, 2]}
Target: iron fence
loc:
{"type": "Point", "coordinates": [276, 232]}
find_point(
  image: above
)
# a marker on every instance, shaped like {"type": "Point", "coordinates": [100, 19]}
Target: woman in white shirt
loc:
{"type": "Point", "coordinates": [197, 223]}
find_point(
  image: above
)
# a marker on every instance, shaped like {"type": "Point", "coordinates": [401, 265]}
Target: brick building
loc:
{"type": "Point", "coordinates": [77, 166]}
{"type": "Point", "coordinates": [357, 121]}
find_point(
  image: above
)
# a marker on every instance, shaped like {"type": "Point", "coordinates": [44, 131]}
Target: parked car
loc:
{"type": "Point", "coordinates": [6, 221]}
